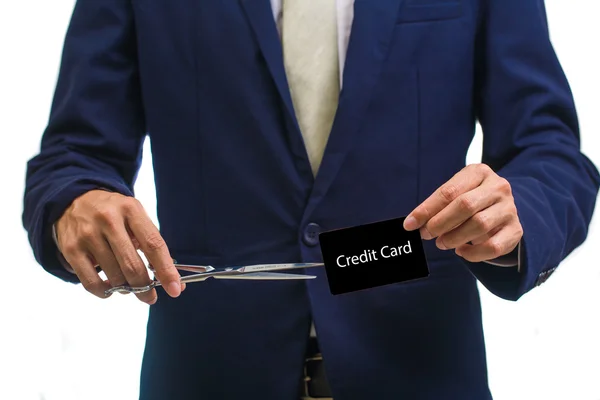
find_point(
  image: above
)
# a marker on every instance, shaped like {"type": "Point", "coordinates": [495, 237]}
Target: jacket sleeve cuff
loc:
{"type": "Point", "coordinates": [60, 256]}
{"type": "Point", "coordinates": [512, 259]}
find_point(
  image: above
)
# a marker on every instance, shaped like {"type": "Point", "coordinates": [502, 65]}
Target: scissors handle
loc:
{"type": "Point", "coordinates": [199, 269]}
{"type": "Point", "coordinates": [124, 289]}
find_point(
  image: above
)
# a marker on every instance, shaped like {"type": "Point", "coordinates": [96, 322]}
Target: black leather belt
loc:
{"type": "Point", "coordinates": [315, 384]}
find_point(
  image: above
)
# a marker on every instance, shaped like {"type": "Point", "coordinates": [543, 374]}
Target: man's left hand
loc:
{"type": "Point", "coordinates": [473, 213]}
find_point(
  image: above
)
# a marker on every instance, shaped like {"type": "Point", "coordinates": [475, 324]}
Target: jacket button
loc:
{"type": "Point", "coordinates": [543, 277]}
{"type": "Point", "coordinates": [311, 234]}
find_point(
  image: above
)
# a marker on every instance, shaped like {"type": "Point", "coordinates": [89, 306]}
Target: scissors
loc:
{"type": "Point", "coordinates": [203, 272]}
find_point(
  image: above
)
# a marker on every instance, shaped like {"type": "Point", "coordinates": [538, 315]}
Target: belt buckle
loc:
{"type": "Point", "coordinates": [306, 380]}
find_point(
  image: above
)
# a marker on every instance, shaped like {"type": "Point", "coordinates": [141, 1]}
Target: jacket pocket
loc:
{"type": "Point", "coordinates": [429, 10]}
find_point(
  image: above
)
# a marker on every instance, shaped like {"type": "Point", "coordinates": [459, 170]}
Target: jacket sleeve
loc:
{"type": "Point", "coordinates": [531, 138]}
{"type": "Point", "coordinates": [96, 127]}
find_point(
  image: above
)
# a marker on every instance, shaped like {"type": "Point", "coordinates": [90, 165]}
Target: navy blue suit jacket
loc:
{"type": "Point", "coordinates": [205, 80]}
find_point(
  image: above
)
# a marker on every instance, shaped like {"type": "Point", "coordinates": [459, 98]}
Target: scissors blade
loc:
{"type": "Point", "coordinates": [265, 276]}
{"type": "Point", "coordinates": [188, 268]}
{"type": "Point", "coordinates": [243, 271]}
{"type": "Point", "coordinates": [194, 268]}
{"type": "Point", "coordinates": [275, 267]}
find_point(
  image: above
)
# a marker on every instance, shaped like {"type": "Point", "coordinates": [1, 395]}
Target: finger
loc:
{"type": "Point", "coordinates": [502, 243]}
{"type": "Point", "coordinates": [130, 262]}
{"type": "Point", "coordinates": [459, 211]}
{"type": "Point", "coordinates": [465, 180]}
{"type": "Point", "coordinates": [475, 227]}
{"type": "Point", "coordinates": [154, 248]}
{"type": "Point", "coordinates": [485, 236]}
{"type": "Point", "coordinates": [134, 241]}
{"type": "Point", "coordinates": [101, 254]}
{"type": "Point", "coordinates": [86, 273]}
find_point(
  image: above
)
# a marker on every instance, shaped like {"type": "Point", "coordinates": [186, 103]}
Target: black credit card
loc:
{"type": "Point", "coordinates": [371, 255]}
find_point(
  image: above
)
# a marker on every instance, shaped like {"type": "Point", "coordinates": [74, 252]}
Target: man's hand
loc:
{"type": "Point", "coordinates": [106, 229]}
{"type": "Point", "coordinates": [473, 213]}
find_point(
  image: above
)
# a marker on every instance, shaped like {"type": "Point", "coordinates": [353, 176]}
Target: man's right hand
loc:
{"type": "Point", "coordinates": [107, 229]}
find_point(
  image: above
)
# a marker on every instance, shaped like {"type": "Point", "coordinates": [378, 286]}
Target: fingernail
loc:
{"type": "Point", "coordinates": [441, 245]}
{"type": "Point", "coordinates": [153, 301]}
{"type": "Point", "coordinates": [174, 289]}
{"type": "Point", "coordinates": [410, 223]}
{"type": "Point", "coordinates": [183, 286]}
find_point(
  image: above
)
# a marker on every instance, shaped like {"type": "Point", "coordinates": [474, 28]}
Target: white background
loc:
{"type": "Point", "coordinates": [57, 342]}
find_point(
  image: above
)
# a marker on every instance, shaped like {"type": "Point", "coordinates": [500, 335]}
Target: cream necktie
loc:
{"type": "Point", "coordinates": [310, 52]}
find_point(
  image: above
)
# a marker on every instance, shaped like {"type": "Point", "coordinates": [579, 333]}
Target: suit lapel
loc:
{"type": "Point", "coordinates": [260, 16]}
{"type": "Point", "coordinates": [372, 30]}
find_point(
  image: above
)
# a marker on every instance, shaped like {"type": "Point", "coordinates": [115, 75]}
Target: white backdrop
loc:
{"type": "Point", "coordinates": [57, 342]}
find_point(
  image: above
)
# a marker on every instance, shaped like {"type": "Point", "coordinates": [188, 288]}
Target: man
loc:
{"type": "Point", "coordinates": [273, 122]}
